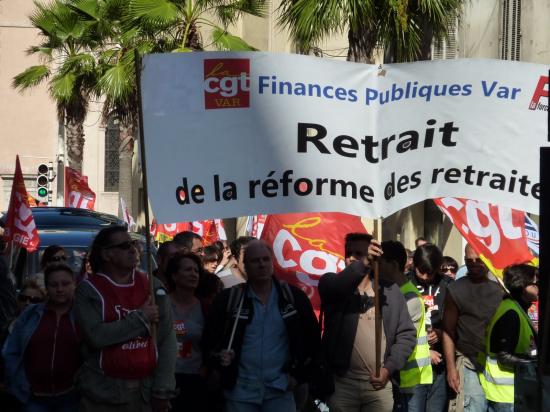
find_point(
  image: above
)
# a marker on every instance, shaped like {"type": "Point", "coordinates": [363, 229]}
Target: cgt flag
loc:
{"type": "Point", "coordinates": [20, 227]}
{"type": "Point", "coordinates": [163, 232]}
{"type": "Point", "coordinates": [498, 234]}
{"type": "Point", "coordinates": [77, 192]}
{"type": "Point", "coordinates": [210, 230]}
{"type": "Point", "coordinates": [307, 245]}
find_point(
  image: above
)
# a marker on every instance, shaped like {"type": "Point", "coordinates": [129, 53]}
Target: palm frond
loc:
{"type": "Point", "coordinates": [62, 87]}
{"type": "Point", "coordinates": [152, 14]}
{"type": "Point", "coordinates": [226, 41]}
{"type": "Point", "coordinates": [31, 77]}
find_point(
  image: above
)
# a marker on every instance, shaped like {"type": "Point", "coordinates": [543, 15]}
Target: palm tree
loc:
{"type": "Point", "coordinates": [67, 66]}
{"type": "Point", "coordinates": [149, 26]}
{"type": "Point", "coordinates": [403, 28]}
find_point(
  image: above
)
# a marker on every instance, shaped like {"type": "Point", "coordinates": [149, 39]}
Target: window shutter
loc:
{"type": "Point", "coordinates": [510, 30]}
{"type": "Point", "coordinates": [446, 48]}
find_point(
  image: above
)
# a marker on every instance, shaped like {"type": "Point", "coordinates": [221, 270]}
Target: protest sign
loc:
{"type": "Point", "coordinates": [233, 134]}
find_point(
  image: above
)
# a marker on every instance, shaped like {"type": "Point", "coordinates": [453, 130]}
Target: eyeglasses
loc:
{"type": "Point", "coordinates": [471, 261]}
{"type": "Point", "coordinates": [27, 298]}
{"type": "Point", "coordinates": [58, 258]}
{"type": "Point", "coordinates": [452, 269]}
{"type": "Point", "coordinates": [124, 245]}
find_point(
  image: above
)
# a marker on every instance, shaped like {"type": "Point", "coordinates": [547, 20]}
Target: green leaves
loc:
{"type": "Point", "coordinates": [398, 26]}
{"type": "Point", "coordinates": [31, 77]}
{"type": "Point", "coordinates": [227, 42]}
{"type": "Point", "coordinates": [153, 14]}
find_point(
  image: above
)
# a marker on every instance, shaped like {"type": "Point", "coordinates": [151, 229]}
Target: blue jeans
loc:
{"type": "Point", "coordinates": [500, 407]}
{"type": "Point", "coordinates": [474, 397]}
{"type": "Point", "coordinates": [63, 403]}
{"type": "Point", "coordinates": [437, 396]}
{"type": "Point", "coordinates": [415, 401]}
{"type": "Point", "coordinates": [285, 403]}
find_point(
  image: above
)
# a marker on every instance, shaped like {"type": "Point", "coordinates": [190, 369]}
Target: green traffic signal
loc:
{"type": "Point", "coordinates": [42, 192]}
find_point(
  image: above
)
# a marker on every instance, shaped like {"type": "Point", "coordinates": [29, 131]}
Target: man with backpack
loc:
{"type": "Point", "coordinates": [262, 336]}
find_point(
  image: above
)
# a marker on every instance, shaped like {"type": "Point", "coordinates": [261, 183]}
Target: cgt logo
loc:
{"type": "Point", "coordinates": [226, 83]}
{"type": "Point", "coordinates": [540, 91]}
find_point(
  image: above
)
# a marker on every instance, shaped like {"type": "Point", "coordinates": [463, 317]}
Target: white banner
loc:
{"type": "Point", "coordinates": [234, 134]}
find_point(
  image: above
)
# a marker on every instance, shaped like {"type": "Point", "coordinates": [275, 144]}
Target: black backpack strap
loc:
{"type": "Point", "coordinates": [287, 293]}
{"type": "Point", "coordinates": [235, 295]}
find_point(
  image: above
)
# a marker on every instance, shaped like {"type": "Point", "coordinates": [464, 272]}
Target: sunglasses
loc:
{"type": "Point", "coordinates": [124, 245]}
{"type": "Point", "coordinates": [452, 269]}
{"type": "Point", "coordinates": [58, 258]}
{"type": "Point", "coordinates": [471, 261]}
{"type": "Point", "coordinates": [27, 298]}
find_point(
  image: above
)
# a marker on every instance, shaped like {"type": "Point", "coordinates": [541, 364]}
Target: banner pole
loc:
{"type": "Point", "coordinates": [11, 254]}
{"type": "Point", "coordinates": [377, 319]}
{"type": "Point", "coordinates": [148, 253]}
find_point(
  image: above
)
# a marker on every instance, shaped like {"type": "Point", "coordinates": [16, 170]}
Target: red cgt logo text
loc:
{"type": "Point", "coordinates": [226, 83]}
{"type": "Point", "coordinates": [540, 91]}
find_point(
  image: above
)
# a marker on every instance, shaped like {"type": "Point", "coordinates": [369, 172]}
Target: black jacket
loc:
{"type": "Point", "coordinates": [301, 324]}
{"type": "Point", "coordinates": [342, 305]}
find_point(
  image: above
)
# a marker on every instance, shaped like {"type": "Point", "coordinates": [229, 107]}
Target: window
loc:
{"type": "Point", "coordinates": [510, 30]}
{"type": "Point", "coordinates": [111, 155]}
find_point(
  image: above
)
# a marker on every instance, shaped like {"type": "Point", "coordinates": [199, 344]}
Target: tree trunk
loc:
{"type": "Point", "coordinates": [75, 143]}
{"type": "Point", "coordinates": [126, 153]}
{"type": "Point", "coordinates": [361, 46]}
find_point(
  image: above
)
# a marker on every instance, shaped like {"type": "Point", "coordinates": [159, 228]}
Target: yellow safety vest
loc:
{"type": "Point", "coordinates": [418, 369]}
{"type": "Point", "coordinates": [498, 381]}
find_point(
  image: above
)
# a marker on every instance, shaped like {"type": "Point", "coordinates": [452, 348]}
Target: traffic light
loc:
{"type": "Point", "coordinates": [42, 182]}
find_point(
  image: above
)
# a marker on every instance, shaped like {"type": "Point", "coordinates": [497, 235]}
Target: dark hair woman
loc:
{"type": "Point", "coordinates": [183, 274]}
{"type": "Point", "coordinates": [42, 353]}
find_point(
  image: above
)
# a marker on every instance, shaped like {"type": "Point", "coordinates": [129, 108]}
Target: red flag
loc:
{"type": "Point", "coordinates": [211, 230]}
{"type": "Point", "coordinates": [495, 232]}
{"type": "Point", "coordinates": [307, 245]}
{"type": "Point", "coordinates": [163, 232]}
{"type": "Point", "coordinates": [77, 192]}
{"type": "Point", "coordinates": [20, 227]}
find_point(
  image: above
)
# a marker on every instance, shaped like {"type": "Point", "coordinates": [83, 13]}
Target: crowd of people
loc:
{"type": "Point", "coordinates": [214, 329]}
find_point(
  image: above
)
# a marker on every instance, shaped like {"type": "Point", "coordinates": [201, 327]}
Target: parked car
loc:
{"type": "Point", "coordinates": [74, 230]}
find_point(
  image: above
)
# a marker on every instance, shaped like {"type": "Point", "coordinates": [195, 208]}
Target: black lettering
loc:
{"type": "Point", "coordinates": [451, 174]}
{"type": "Point", "coordinates": [343, 188]}
{"type": "Point", "coordinates": [252, 188]}
{"type": "Point", "coordinates": [435, 174]}
{"type": "Point", "coordinates": [366, 193]}
{"type": "Point", "coordinates": [468, 175]}
{"type": "Point", "coordinates": [415, 179]}
{"type": "Point", "coordinates": [303, 138]}
{"type": "Point", "coordinates": [446, 132]}
{"type": "Point", "coordinates": [345, 142]}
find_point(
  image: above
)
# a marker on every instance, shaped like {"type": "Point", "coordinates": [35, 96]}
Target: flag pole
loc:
{"type": "Point", "coordinates": [377, 319]}
{"type": "Point", "coordinates": [137, 62]}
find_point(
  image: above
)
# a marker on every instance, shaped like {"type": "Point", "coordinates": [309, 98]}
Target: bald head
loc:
{"type": "Point", "coordinates": [258, 261]}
